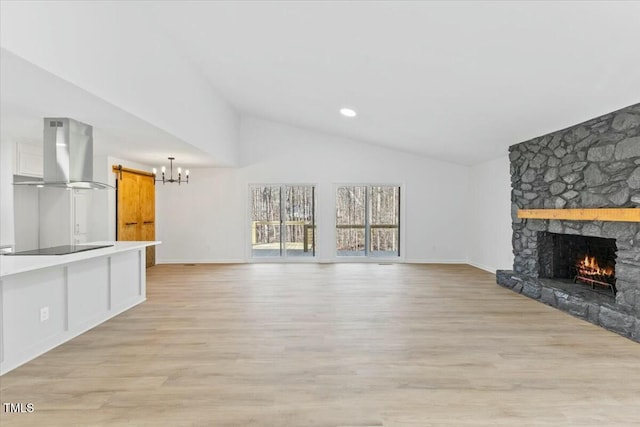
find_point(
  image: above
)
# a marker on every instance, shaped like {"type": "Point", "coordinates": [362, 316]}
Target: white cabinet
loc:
{"type": "Point", "coordinates": [64, 216]}
{"type": "Point", "coordinates": [28, 160]}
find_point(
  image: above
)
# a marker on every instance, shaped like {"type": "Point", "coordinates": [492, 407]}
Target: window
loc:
{"type": "Point", "coordinates": [283, 221]}
{"type": "Point", "coordinates": [368, 221]}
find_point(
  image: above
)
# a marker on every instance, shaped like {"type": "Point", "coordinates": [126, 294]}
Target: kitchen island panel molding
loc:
{"type": "Point", "coordinates": [124, 288]}
{"type": "Point", "coordinates": [88, 293]}
{"type": "Point", "coordinates": [23, 298]}
{"type": "Point", "coordinates": [77, 293]}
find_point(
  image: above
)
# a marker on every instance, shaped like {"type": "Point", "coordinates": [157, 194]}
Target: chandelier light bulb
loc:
{"type": "Point", "coordinates": [170, 179]}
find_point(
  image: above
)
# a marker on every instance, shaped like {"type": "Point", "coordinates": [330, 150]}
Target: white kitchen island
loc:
{"type": "Point", "coordinates": [48, 300]}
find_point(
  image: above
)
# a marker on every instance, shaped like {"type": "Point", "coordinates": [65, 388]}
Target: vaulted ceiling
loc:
{"type": "Point", "coordinates": [456, 81]}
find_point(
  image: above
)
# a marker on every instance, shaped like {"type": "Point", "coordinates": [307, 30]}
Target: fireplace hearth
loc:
{"type": "Point", "coordinates": [588, 268]}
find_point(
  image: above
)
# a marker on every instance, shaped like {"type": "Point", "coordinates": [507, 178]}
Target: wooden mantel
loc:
{"type": "Point", "coordinates": [600, 214]}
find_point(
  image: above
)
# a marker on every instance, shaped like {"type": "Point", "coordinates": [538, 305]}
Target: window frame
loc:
{"type": "Point", "coordinates": [367, 257]}
{"type": "Point", "coordinates": [283, 257]}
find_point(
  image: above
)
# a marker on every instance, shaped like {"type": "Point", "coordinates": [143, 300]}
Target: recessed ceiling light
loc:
{"type": "Point", "coordinates": [348, 112]}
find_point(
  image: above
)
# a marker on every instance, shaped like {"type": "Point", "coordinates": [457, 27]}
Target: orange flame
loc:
{"type": "Point", "coordinates": [589, 266]}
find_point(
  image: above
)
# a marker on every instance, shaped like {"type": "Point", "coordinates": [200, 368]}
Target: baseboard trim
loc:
{"type": "Point", "coordinates": [436, 261]}
{"type": "Point", "coordinates": [329, 261]}
{"type": "Point", "coordinates": [201, 261]}
{"type": "Point", "coordinates": [486, 268]}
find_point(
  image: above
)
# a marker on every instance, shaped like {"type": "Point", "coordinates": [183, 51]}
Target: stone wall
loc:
{"type": "Point", "coordinates": [591, 165]}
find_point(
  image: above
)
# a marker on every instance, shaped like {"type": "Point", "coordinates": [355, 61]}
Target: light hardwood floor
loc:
{"type": "Point", "coordinates": [332, 345]}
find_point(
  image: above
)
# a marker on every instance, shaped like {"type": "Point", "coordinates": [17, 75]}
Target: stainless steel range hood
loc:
{"type": "Point", "coordinates": [68, 155]}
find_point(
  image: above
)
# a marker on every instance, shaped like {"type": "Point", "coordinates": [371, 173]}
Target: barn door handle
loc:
{"type": "Point", "coordinates": [148, 222]}
{"type": "Point", "coordinates": [130, 223]}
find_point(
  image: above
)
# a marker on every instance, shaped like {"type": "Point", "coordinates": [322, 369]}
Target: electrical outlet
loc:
{"type": "Point", "coordinates": [44, 314]}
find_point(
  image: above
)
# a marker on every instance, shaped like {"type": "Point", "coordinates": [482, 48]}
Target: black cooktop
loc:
{"type": "Point", "coordinates": [60, 250]}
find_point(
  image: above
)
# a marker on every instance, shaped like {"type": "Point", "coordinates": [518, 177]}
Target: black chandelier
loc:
{"type": "Point", "coordinates": [171, 179]}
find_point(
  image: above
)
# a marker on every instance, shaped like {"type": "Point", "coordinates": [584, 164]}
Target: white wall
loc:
{"type": "Point", "coordinates": [202, 221]}
{"type": "Point", "coordinates": [489, 218]}
{"type": "Point", "coordinates": [207, 220]}
{"type": "Point", "coordinates": [97, 47]}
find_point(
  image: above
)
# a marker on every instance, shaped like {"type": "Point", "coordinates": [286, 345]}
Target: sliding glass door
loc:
{"type": "Point", "coordinates": [266, 230]}
{"type": "Point", "coordinates": [384, 221]}
{"type": "Point", "coordinates": [368, 221]}
{"type": "Point", "coordinates": [351, 213]}
{"type": "Point", "coordinates": [282, 221]}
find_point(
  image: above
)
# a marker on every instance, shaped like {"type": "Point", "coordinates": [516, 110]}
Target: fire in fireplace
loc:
{"type": "Point", "coordinates": [589, 271]}
{"type": "Point", "coordinates": [582, 259]}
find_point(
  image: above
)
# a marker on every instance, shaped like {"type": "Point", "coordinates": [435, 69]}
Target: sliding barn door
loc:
{"type": "Point", "coordinates": [128, 214]}
{"type": "Point", "coordinates": [148, 215]}
{"type": "Point", "coordinates": [136, 208]}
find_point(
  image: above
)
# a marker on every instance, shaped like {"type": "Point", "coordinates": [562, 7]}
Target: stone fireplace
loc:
{"type": "Point", "coordinates": [590, 269]}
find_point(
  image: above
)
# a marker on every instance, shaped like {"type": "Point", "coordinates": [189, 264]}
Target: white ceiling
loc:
{"type": "Point", "coordinates": [29, 94]}
{"type": "Point", "coordinates": [457, 81]}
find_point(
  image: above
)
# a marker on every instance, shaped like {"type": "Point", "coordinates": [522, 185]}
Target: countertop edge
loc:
{"type": "Point", "coordinates": [16, 264]}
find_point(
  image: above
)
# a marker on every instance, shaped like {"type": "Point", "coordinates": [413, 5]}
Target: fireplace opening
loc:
{"type": "Point", "coordinates": [590, 261]}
